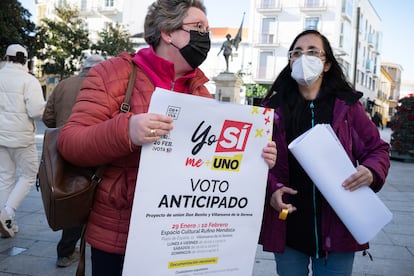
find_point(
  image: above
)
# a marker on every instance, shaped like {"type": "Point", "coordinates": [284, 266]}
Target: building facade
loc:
{"type": "Point", "coordinates": [388, 91]}
{"type": "Point", "coordinates": [99, 14]}
{"type": "Point", "coordinates": [352, 26]}
{"type": "Point", "coordinates": [275, 24]}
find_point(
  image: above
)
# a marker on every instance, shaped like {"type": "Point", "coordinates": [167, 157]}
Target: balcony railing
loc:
{"type": "Point", "coordinates": [369, 66]}
{"type": "Point", "coordinates": [313, 5]}
{"type": "Point", "coordinates": [269, 6]}
{"type": "Point", "coordinates": [373, 43]}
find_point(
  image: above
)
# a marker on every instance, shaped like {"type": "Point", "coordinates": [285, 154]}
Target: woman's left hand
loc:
{"type": "Point", "coordinates": [269, 154]}
{"type": "Point", "coordinates": [363, 177]}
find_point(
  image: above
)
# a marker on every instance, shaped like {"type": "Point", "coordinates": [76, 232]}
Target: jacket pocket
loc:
{"type": "Point", "coordinates": [118, 189]}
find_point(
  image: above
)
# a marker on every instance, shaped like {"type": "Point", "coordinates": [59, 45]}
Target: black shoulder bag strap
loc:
{"type": "Point", "coordinates": [97, 177]}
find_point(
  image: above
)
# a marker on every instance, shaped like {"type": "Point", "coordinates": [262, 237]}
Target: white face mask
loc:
{"type": "Point", "coordinates": [307, 69]}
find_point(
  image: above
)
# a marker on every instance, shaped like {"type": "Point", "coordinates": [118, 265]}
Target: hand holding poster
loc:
{"type": "Point", "coordinates": [362, 212]}
{"type": "Point", "coordinates": [200, 190]}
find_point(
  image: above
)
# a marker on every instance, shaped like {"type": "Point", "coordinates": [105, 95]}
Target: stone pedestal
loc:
{"type": "Point", "coordinates": [228, 87]}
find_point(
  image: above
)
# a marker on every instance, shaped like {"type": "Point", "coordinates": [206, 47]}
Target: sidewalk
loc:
{"type": "Point", "coordinates": [32, 252]}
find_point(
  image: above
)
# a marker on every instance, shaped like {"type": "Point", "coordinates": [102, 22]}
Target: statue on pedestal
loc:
{"type": "Point", "coordinates": [227, 46]}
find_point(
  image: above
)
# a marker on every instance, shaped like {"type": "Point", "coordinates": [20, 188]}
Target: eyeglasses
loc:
{"type": "Point", "coordinates": [294, 54]}
{"type": "Point", "coordinates": [200, 28]}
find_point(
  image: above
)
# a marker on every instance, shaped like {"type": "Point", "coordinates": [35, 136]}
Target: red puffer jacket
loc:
{"type": "Point", "coordinates": [97, 134]}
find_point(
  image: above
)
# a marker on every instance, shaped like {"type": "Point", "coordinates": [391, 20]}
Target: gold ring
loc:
{"type": "Point", "coordinates": [153, 133]}
{"type": "Point", "coordinates": [283, 214]}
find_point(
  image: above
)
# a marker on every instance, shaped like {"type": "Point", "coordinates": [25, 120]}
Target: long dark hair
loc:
{"type": "Point", "coordinates": [334, 80]}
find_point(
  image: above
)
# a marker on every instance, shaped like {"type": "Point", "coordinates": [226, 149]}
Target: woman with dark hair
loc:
{"type": "Point", "coordinates": [299, 225]}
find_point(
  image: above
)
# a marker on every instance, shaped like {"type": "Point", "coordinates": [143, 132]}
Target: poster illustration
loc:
{"type": "Point", "coordinates": [200, 190]}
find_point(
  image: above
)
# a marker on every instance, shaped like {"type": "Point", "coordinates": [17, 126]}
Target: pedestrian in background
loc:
{"type": "Point", "coordinates": [310, 90]}
{"type": "Point", "coordinates": [97, 134]}
{"type": "Point", "coordinates": [57, 111]}
{"type": "Point", "coordinates": [21, 102]}
{"type": "Point", "coordinates": [377, 119]}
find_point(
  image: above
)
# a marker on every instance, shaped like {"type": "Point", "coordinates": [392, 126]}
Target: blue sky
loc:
{"type": "Point", "coordinates": [396, 16]}
{"type": "Point", "coordinates": [227, 13]}
{"type": "Point", "coordinates": [397, 35]}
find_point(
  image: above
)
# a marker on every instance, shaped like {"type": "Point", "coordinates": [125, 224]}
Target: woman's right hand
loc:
{"type": "Point", "coordinates": [276, 201]}
{"type": "Point", "coordinates": [148, 127]}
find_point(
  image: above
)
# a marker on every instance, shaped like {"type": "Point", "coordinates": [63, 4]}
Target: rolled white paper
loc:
{"type": "Point", "coordinates": [325, 161]}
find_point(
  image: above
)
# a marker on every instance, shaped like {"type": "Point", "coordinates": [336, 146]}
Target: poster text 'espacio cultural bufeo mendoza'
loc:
{"type": "Point", "coordinates": [200, 190]}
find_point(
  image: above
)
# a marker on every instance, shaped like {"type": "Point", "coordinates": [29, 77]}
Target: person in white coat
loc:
{"type": "Point", "coordinates": [21, 102]}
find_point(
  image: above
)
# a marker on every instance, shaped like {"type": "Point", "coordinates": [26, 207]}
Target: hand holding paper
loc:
{"type": "Point", "coordinates": [363, 176]}
{"type": "Point", "coordinates": [269, 154]}
{"type": "Point", "coordinates": [361, 210]}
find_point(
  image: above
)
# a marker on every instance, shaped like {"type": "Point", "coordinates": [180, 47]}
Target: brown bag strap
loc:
{"type": "Point", "coordinates": [80, 271]}
{"type": "Point", "coordinates": [125, 107]}
{"type": "Point", "coordinates": [97, 177]}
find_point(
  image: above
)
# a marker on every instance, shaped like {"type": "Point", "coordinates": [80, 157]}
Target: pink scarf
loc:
{"type": "Point", "coordinates": [161, 71]}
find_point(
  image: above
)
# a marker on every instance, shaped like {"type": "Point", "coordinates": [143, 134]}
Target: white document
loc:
{"type": "Point", "coordinates": [200, 191]}
{"type": "Point", "coordinates": [325, 161]}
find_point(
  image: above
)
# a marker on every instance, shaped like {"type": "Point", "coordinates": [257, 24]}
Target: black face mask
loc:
{"type": "Point", "coordinates": [195, 52]}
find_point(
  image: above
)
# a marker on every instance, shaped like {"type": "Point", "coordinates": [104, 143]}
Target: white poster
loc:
{"type": "Point", "coordinates": [325, 161]}
{"type": "Point", "coordinates": [200, 190]}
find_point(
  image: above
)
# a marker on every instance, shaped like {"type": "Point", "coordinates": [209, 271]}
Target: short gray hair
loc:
{"type": "Point", "coordinates": [92, 60]}
{"type": "Point", "coordinates": [167, 16]}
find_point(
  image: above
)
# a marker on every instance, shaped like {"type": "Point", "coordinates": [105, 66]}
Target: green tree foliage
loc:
{"type": "Point", "coordinates": [16, 27]}
{"type": "Point", "coordinates": [113, 40]}
{"type": "Point", "coordinates": [64, 39]}
{"type": "Point", "coordinates": [255, 90]}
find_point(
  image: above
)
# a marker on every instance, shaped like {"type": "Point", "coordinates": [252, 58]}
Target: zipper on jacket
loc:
{"type": "Point", "coordinates": [172, 85]}
{"type": "Point", "coordinates": [312, 106]}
